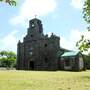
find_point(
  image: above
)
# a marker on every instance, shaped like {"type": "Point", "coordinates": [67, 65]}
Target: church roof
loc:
{"type": "Point", "coordinates": [64, 49]}
{"type": "Point", "coordinates": [72, 53]}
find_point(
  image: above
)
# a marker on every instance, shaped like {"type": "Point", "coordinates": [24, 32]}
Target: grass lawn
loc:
{"type": "Point", "coordinates": [41, 80]}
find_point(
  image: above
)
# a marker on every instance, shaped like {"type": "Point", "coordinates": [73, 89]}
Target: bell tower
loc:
{"type": "Point", "coordinates": [35, 30]}
{"type": "Point", "coordinates": [36, 24]}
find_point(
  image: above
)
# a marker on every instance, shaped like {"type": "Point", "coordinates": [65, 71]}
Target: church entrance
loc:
{"type": "Point", "coordinates": [31, 65]}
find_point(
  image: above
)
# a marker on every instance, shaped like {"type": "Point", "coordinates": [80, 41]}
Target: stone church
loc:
{"type": "Point", "coordinates": [38, 51]}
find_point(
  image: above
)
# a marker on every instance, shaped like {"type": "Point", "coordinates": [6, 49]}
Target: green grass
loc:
{"type": "Point", "coordinates": [36, 80]}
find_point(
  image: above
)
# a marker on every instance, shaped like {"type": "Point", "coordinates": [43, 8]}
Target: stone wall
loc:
{"type": "Point", "coordinates": [38, 51]}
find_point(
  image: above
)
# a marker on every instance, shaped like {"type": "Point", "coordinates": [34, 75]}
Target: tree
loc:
{"type": "Point", "coordinates": [84, 44]}
{"type": "Point", "coordinates": [87, 60]}
{"type": "Point", "coordinates": [10, 2]}
{"type": "Point", "coordinates": [7, 59]}
{"type": "Point", "coordinates": [86, 11]}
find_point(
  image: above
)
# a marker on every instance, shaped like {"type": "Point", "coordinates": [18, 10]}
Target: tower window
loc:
{"type": "Point", "coordinates": [32, 25]}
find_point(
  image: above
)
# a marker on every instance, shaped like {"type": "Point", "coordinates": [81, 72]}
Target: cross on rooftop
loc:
{"type": "Point", "coordinates": [35, 16]}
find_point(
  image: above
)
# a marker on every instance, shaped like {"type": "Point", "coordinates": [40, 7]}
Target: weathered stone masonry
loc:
{"type": "Point", "coordinates": [37, 51]}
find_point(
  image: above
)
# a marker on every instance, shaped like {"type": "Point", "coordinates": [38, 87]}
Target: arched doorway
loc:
{"type": "Point", "coordinates": [31, 65]}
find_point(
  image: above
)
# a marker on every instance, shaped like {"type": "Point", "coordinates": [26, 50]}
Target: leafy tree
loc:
{"type": "Point", "coordinates": [10, 2]}
{"type": "Point", "coordinates": [7, 59]}
{"type": "Point", "coordinates": [84, 44]}
{"type": "Point", "coordinates": [86, 11]}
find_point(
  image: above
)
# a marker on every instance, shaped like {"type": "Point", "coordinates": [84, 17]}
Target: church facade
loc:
{"type": "Point", "coordinates": [38, 51]}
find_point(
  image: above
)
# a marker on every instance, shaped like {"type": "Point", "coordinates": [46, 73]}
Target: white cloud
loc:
{"type": "Point", "coordinates": [30, 8]}
{"type": "Point", "coordinates": [65, 43]}
{"type": "Point", "coordinates": [75, 35]}
{"type": "Point", "coordinates": [9, 42]}
{"type": "Point", "coordinates": [78, 4]}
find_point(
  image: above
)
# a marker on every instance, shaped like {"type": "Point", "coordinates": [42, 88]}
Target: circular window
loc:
{"type": "Point", "coordinates": [31, 35]}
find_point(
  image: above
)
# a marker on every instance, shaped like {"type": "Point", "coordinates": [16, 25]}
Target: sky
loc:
{"type": "Point", "coordinates": [62, 17]}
